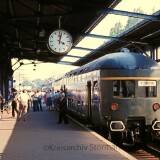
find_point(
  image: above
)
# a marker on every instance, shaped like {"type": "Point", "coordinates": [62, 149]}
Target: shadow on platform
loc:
{"type": "Point", "coordinates": [40, 138]}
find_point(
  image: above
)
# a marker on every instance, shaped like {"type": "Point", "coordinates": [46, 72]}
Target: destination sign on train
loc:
{"type": "Point", "coordinates": [146, 83]}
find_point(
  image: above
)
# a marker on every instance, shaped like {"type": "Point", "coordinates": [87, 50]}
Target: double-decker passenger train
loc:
{"type": "Point", "coordinates": [120, 91]}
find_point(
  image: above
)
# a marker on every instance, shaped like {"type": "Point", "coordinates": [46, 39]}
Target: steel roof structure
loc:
{"type": "Point", "coordinates": [26, 24]}
{"type": "Point", "coordinates": [142, 37]}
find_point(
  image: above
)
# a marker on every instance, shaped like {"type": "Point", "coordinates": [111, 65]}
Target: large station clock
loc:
{"type": "Point", "coordinates": [60, 41]}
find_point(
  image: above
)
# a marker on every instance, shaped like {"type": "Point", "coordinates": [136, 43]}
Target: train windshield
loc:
{"type": "Point", "coordinates": [132, 89]}
{"type": "Point", "coordinates": [122, 88]}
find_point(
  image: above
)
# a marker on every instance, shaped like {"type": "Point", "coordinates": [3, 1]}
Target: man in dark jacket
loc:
{"type": "Point", "coordinates": [62, 109]}
{"type": "Point", "coordinates": [14, 102]}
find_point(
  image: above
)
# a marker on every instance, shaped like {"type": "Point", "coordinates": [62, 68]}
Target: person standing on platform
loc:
{"type": "Point", "coordinates": [62, 109]}
{"type": "Point", "coordinates": [1, 102]}
{"type": "Point", "coordinates": [23, 99]}
{"type": "Point", "coordinates": [14, 102]}
{"type": "Point", "coordinates": [45, 100]}
{"type": "Point", "coordinates": [35, 101]}
{"type": "Point", "coordinates": [39, 100]}
{"type": "Point", "coordinates": [49, 100]}
{"type": "Point", "coordinates": [29, 101]}
{"type": "Point", "coordinates": [57, 97]}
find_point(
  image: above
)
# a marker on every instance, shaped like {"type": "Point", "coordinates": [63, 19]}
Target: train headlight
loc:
{"type": "Point", "coordinates": [114, 106]}
{"type": "Point", "coordinates": [156, 125]}
{"type": "Point", "coordinates": [117, 126]}
{"type": "Point", "coordinates": [156, 106]}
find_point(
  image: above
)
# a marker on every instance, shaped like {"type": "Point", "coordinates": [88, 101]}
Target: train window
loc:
{"type": "Point", "coordinates": [78, 78]}
{"type": "Point", "coordinates": [74, 79]}
{"type": "Point", "coordinates": [124, 89]}
{"type": "Point", "coordinates": [69, 103]}
{"type": "Point", "coordinates": [147, 89]}
{"type": "Point", "coordinates": [81, 78]}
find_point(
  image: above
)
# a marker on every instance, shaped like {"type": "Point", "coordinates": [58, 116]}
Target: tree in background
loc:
{"type": "Point", "coordinates": [37, 83]}
{"type": "Point", "coordinates": [119, 28]}
{"type": "Point", "coordinates": [132, 20]}
{"type": "Point", "coordinates": [116, 30]}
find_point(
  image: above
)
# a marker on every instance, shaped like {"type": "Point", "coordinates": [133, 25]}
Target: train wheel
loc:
{"type": "Point", "coordinates": [152, 137]}
{"type": "Point", "coordinates": [115, 137]}
{"type": "Point", "coordinates": [146, 138]}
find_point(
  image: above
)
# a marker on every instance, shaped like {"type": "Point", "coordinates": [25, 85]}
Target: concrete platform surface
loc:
{"type": "Point", "coordinates": [40, 138]}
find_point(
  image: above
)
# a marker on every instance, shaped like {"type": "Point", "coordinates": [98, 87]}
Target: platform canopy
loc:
{"type": "Point", "coordinates": [25, 26]}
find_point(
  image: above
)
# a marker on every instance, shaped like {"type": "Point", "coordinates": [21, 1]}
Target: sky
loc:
{"type": "Point", "coordinates": [46, 70]}
{"type": "Point", "coordinates": [42, 71]}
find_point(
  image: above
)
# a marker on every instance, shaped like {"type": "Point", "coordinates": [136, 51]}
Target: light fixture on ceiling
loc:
{"type": "Point", "coordinates": [21, 63]}
{"type": "Point", "coordinates": [38, 51]}
{"type": "Point", "coordinates": [41, 33]}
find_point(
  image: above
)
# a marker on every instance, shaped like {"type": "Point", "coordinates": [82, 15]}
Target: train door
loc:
{"type": "Point", "coordinates": [89, 101]}
{"type": "Point", "coordinates": [95, 102]}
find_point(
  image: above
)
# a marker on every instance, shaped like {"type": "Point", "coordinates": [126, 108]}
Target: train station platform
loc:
{"type": "Point", "coordinates": [40, 138]}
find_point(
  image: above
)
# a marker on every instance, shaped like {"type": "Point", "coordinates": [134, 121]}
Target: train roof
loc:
{"type": "Point", "coordinates": [118, 60]}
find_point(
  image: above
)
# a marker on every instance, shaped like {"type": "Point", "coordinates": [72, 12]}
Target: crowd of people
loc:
{"type": "Point", "coordinates": [26, 100]}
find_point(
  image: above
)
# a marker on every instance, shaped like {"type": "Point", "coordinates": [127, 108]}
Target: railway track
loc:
{"type": "Point", "coordinates": [142, 153]}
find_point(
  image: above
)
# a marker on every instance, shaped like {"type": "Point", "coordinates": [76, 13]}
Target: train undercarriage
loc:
{"type": "Point", "coordinates": [135, 131]}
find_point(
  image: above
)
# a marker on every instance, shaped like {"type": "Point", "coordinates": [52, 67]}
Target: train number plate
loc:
{"type": "Point", "coordinates": [146, 83]}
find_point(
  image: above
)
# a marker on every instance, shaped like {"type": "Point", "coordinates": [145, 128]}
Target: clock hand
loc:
{"type": "Point", "coordinates": [61, 42]}
{"type": "Point", "coordinates": [60, 36]}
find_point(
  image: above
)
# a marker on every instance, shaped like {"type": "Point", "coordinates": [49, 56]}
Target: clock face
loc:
{"type": "Point", "coordinates": [60, 41]}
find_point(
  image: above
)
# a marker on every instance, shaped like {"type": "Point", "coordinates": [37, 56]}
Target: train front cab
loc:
{"type": "Point", "coordinates": [131, 107]}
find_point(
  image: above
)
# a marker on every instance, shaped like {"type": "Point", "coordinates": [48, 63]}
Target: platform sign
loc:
{"type": "Point", "coordinates": [146, 83]}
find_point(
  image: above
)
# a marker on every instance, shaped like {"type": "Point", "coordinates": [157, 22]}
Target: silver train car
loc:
{"type": "Point", "coordinates": [119, 91]}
